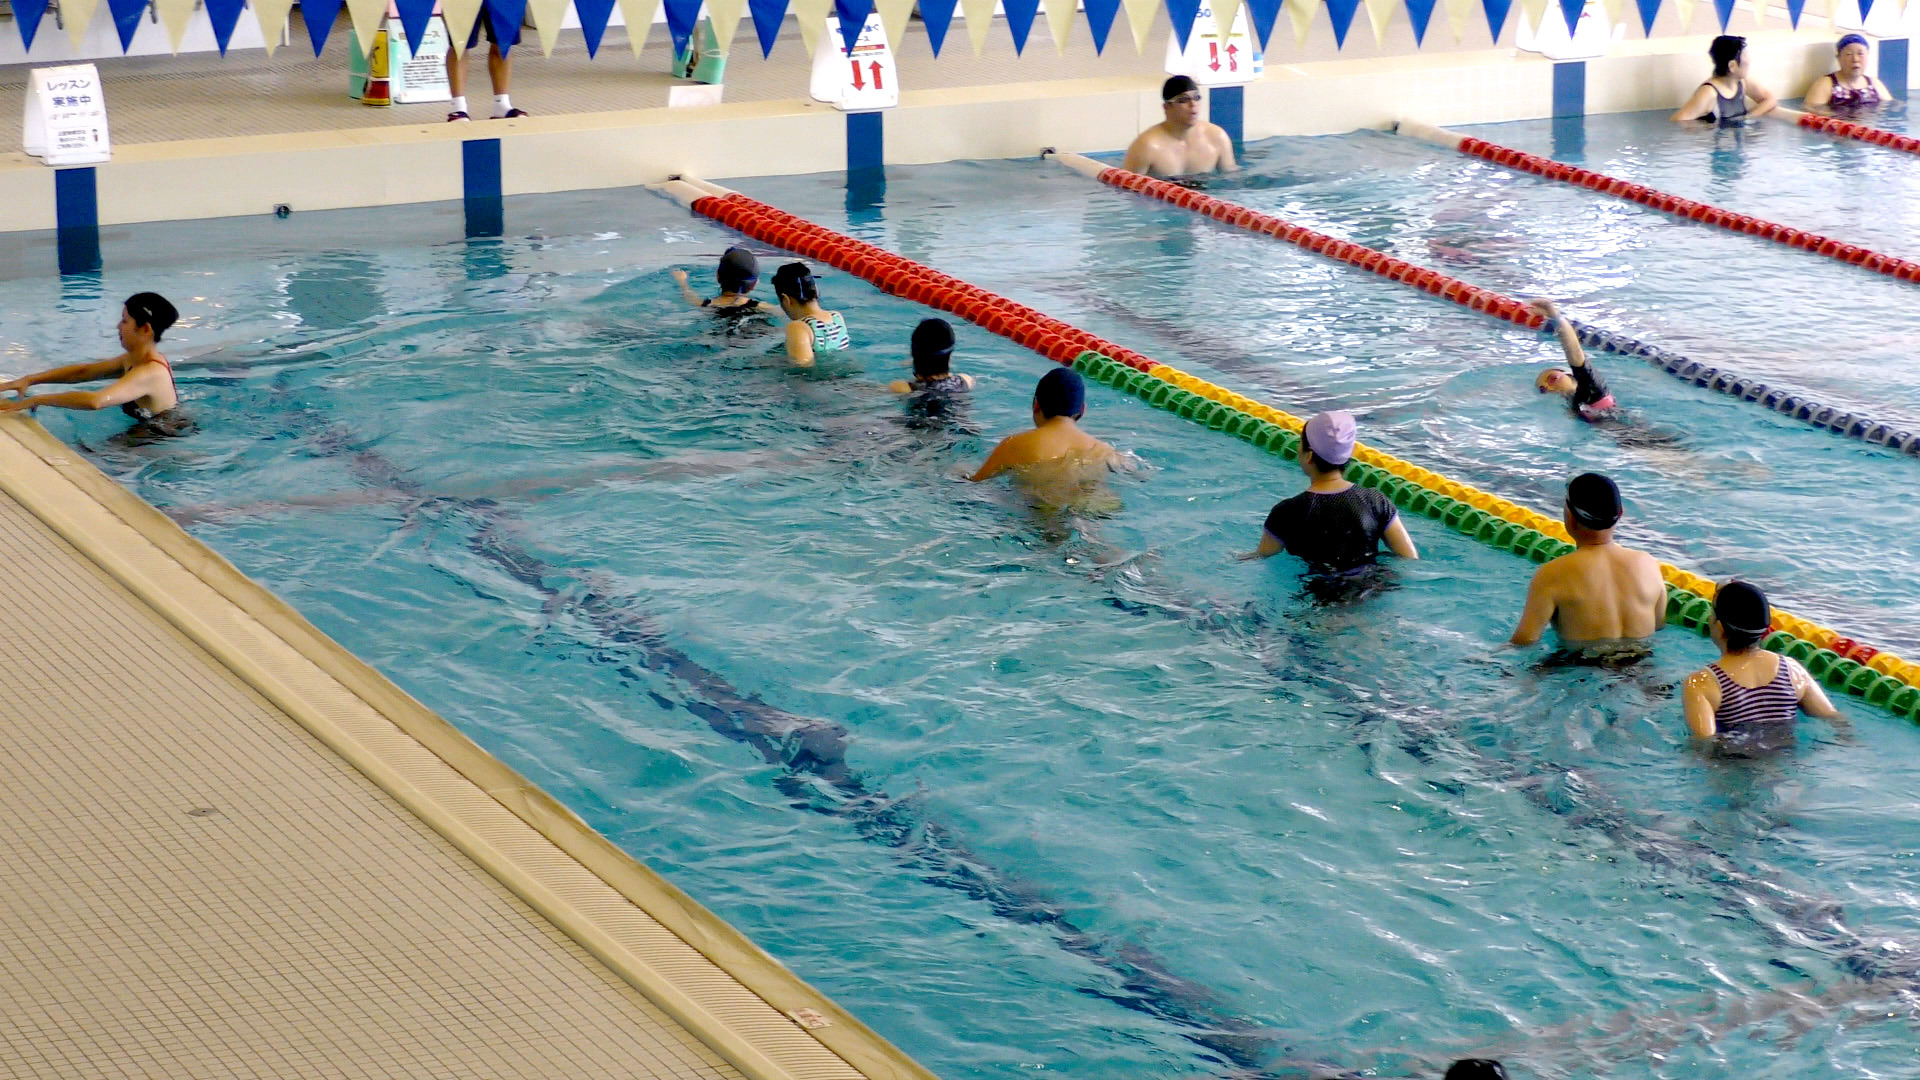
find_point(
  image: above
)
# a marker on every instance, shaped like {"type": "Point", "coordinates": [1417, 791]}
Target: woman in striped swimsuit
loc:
{"type": "Point", "coordinates": [1748, 687]}
{"type": "Point", "coordinates": [813, 328]}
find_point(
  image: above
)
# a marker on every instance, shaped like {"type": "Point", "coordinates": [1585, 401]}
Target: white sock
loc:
{"type": "Point", "coordinates": [502, 105]}
{"type": "Point", "coordinates": [459, 104]}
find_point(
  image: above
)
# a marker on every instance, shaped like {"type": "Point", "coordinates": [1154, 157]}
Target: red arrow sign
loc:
{"type": "Point", "coordinates": [857, 84]}
{"type": "Point", "coordinates": [1213, 49]}
{"type": "Point", "coordinates": [876, 75]}
{"type": "Point", "coordinates": [1233, 58]}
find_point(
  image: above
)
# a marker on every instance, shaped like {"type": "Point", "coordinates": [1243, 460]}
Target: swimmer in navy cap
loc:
{"type": "Point", "coordinates": [1600, 593]}
{"type": "Point", "coordinates": [1182, 144]}
{"type": "Point", "coordinates": [1851, 87]}
{"type": "Point", "coordinates": [737, 274]}
{"type": "Point", "coordinates": [1748, 688]}
{"type": "Point", "coordinates": [932, 347]}
{"type": "Point", "coordinates": [1056, 439]}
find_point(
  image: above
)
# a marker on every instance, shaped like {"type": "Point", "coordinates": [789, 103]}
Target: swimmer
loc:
{"type": "Point", "coordinates": [1336, 526]}
{"type": "Point", "coordinates": [1748, 685]}
{"type": "Point", "coordinates": [1723, 98]}
{"type": "Point", "coordinates": [1058, 404]}
{"type": "Point", "coordinates": [142, 384]}
{"type": "Point", "coordinates": [1182, 144]}
{"type": "Point", "coordinates": [1600, 592]}
{"type": "Point", "coordinates": [1851, 87]}
{"type": "Point", "coordinates": [812, 329]}
{"type": "Point", "coordinates": [1476, 1069]}
{"type": "Point", "coordinates": [932, 347]}
{"type": "Point", "coordinates": [738, 273]}
{"type": "Point", "coordinates": [1586, 393]}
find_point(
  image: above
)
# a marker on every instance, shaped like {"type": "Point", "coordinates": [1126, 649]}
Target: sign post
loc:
{"type": "Point", "coordinates": [864, 80]}
{"type": "Point", "coordinates": [66, 116]}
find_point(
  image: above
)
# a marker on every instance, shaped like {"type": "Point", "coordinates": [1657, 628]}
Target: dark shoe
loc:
{"type": "Point", "coordinates": [457, 117]}
{"type": "Point", "coordinates": [511, 113]}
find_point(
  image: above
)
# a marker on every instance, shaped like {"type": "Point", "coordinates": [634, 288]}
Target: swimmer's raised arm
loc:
{"type": "Point", "coordinates": [686, 290]}
{"type": "Point", "coordinates": [1569, 339]}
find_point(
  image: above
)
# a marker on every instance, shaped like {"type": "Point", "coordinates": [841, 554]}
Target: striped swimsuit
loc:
{"type": "Point", "coordinates": [1776, 702]}
{"type": "Point", "coordinates": [829, 334]}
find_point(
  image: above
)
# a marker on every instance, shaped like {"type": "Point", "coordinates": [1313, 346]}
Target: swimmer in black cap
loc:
{"type": "Point", "coordinates": [1058, 403]}
{"type": "Point", "coordinates": [737, 273]}
{"type": "Point", "coordinates": [1600, 592]}
{"type": "Point", "coordinates": [142, 384]}
{"type": "Point", "coordinates": [813, 329]}
{"type": "Point", "coordinates": [1476, 1069]}
{"type": "Point", "coordinates": [1182, 144]}
{"type": "Point", "coordinates": [1748, 685]}
{"type": "Point", "coordinates": [933, 362]}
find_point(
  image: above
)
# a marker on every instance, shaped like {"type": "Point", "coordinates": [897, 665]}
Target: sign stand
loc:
{"type": "Point", "coordinates": [65, 121]}
{"type": "Point", "coordinates": [864, 80]}
{"type": "Point", "coordinates": [1214, 59]}
{"type": "Point", "coordinates": [413, 76]}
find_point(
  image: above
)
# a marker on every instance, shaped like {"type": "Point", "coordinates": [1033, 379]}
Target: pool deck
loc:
{"type": "Point", "coordinates": [236, 850]}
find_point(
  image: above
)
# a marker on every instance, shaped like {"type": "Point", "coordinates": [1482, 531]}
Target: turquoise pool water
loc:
{"type": "Point", "coordinates": [1096, 800]}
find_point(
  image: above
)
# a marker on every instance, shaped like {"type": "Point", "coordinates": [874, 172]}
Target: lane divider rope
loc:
{"type": "Point", "coordinates": [1853, 254]}
{"type": "Point", "coordinates": [1850, 129]}
{"type": "Point", "coordinates": [1878, 677]}
{"type": "Point", "coordinates": [1788, 403]}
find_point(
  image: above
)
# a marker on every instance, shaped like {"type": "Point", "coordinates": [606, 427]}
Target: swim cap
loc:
{"type": "Point", "coordinates": [932, 347]}
{"type": "Point", "coordinates": [739, 271]}
{"type": "Point", "coordinates": [1330, 435]}
{"type": "Point", "coordinates": [1594, 502]}
{"type": "Point", "coordinates": [1851, 39]}
{"type": "Point", "coordinates": [1176, 86]}
{"type": "Point", "coordinates": [1476, 1069]}
{"type": "Point", "coordinates": [1742, 608]}
{"type": "Point", "coordinates": [152, 310]}
{"type": "Point", "coordinates": [1061, 393]}
{"type": "Point", "coordinates": [796, 280]}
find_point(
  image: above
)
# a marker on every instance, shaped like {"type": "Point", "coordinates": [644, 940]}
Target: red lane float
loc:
{"type": "Point", "coordinates": [1848, 129]}
{"type": "Point", "coordinates": [1687, 208]}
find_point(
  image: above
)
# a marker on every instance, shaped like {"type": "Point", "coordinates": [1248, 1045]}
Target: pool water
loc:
{"type": "Point", "coordinates": [1090, 796]}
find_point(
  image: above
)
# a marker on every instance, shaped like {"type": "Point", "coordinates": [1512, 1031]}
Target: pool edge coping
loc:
{"type": "Point", "coordinates": [836, 1030]}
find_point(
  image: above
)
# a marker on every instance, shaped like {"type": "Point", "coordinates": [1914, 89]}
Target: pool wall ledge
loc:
{"type": "Point", "coordinates": [738, 1000]}
{"type": "Point", "coordinates": [330, 170]}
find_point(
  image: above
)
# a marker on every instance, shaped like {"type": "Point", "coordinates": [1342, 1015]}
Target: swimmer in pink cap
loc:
{"type": "Point", "coordinates": [1589, 396]}
{"type": "Point", "coordinates": [1334, 525]}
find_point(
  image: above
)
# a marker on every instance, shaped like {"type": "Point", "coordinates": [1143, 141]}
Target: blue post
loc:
{"type": "Point", "coordinates": [1228, 108]}
{"type": "Point", "coordinates": [76, 218]}
{"type": "Point", "coordinates": [1893, 66]}
{"type": "Point", "coordinates": [866, 160]}
{"type": "Point", "coordinates": [1570, 88]}
{"type": "Point", "coordinates": [480, 173]}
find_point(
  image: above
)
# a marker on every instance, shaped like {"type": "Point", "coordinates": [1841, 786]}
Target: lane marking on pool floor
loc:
{"type": "Point", "coordinates": [1853, 254]}
{"type": "Point", "coordinates": [1825, 417]}
{"type": "Point", "coordinates": [1876, 676]}
{"type": "Point", "coordinates": [1849, 129]}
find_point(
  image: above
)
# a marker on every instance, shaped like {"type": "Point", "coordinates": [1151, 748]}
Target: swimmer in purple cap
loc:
{"type": "Point", "coordinates": [1851, 87]}
{"type": "Point", "coordinates": [1058, 404]}
{"type": "Point", "coordinates": [1334, 525]}
{"type": "Point", "coordinates": [1600, 594]}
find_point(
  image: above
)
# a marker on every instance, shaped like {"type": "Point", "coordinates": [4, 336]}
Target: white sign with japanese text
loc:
{"type": "Point", "coordinates": [863, 80]}
{"type": "Point", "coordinates": [1215, 59]}
{"type": "Point", "coordinates": [66, 116]}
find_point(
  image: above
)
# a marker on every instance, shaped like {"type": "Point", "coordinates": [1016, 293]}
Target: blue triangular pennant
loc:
{"type": "Point", "coordinates": [1497, 16]}
{"type": "Point", "coordinates": [505, 17]}
{"type": "Point", "coordinates": [1724, 9]}
{"type": "Point", "coordinates": [319, 15]}
{"type": "Point", "coordinates": [1794, 8]}
{"type": "Point", "coordinates": [28, 13]}
{"type": "Point", "coordinates": [937, 16]}
{"type": "Point", "coordinates": [1649, 11]}
{"type": "Point", "coordinates": [1866, 8]}
{"type": "Point", "coordinates": [1100, 15]}
{"type": "Point", "coordinates": [767, 17]}
{"type": "Point", "coordinates": [223, 14]}
{"type": "Point", "coordinates": [681, 15]}
{"type": "Point", "coordinates": [1265, 14]}
{"type": "Point", "coordinates": [1570, 11]}
{"type": "Point", "coordinates": [853, 19]}
{"type": "Point", "coordinates": [1342, 13]}
{"type": "Point", "coordinates": [126, 18]}
{"type": "Point", "coordinates": [1020, 20]}
{"type": "Point", "coordinates": [1419, 13]}
{"type": "Point", "coordinates": [414, 16]}
{"type": "Point", "coordinates": [1183, 12]}
{"type": "Point", "coordinates": [593, 22]}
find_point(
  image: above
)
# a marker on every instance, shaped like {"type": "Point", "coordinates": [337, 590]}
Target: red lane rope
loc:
{"type": "Point", "coordinates": [1057, 341]}
{"type": "Point", "coordinates": [1847, 129]}
{"type": "Point", "coordinates": [1693, 211]}
{"type": "Point", "coordinates": [1387, 266]}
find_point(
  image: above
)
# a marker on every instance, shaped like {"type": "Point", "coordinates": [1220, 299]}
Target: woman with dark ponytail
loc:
{"type": "Point", "coordinates": [813, 328]}
{"type": "Point", "coordinates": [1723, 98]}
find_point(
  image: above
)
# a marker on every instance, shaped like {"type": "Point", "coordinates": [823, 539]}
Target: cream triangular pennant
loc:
{"type": "Point", "coordinates": [272, 17]}
{"type": "Point", "coordinates": [1534, 11]}
{"type": "Point", "coordinates": [367, 15]}
{"type": "Point", "coordinates": [1224, 12]}
{"type": "Point", "coordinates": [1683, 10]}
{"type": "Point", "coordinates": [894, 16]}
{"type": "Point", "coordinates": [174, 15]}
{"type": "Point", "coordinates": [1060, 22]}
{"type": "Point", "coordinates": [1301, 14]}
{"type": "Point", "coordinates": [812, 17]}
{"type": "Point", "coordinates": [979, 16]}
{"type": "Point", "coordinates": [638, 15]}
{"type": "Point", "coordinates": [1140, 15]}
{"type": "Point", "coordinates": [1617, 12]}
{"type": "Point", "coordinates": [547, 15]}
{"type": "Point", "coordinates": [1379, 12]}
{"type": "Point", "coordinates": [76, 16]}
{"type": "Point", "coordinates": [1460, 15]}
{"type": "Point", "coordinates": [725, 17]}
{"type": "Point", "coordinates": [460, 16]}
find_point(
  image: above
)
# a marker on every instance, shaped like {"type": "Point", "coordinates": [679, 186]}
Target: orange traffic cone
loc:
{"type": "Point", "coordinates": [379, 91]}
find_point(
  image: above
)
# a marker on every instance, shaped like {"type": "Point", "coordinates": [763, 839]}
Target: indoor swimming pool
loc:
{"type": "Point", "coordinates": [1036, 794]}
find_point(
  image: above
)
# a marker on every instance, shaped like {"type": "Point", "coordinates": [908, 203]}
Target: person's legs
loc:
{"type": "Point", "coordinates": [457, 75]}
{"type": "Point", "coordinates": [500, 70]}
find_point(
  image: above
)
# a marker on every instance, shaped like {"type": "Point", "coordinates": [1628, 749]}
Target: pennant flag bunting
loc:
{"type": "Point", "coordinates": [593, 22]}
{"type": "Point", "coordinates": [979, 15]}
{"type": "Point", "coordinates": [894, 16]}
{"type": "Point", "coordinates": [853, 18]}
{"type": "Point", "coordinates": [174, 16]}
{"type": "Point", "coordinates": [1497, 11]}
{"type": "Point", "coordinates": [460, 15]}
{"type": "Point", "coordinates": [767, 17]}
{"type": "Point", "coordinates": [1460, 16]}
{"type": "Point", "coordinates": [1866, 8]}
{"type": "Point", "coordinates": [1341, 12]}
{"type": "Point", "coordinates": [1140, 15]}
{"type": "Point", "coordinates": [1570, 11]}
{"type": "Point", "coordinates": [126, 18]}
{"type": "Point", "coordinates": [1059, 22]}
{"type": "Point", "coordinates": [28, 13]}
{"type": "Point", "coordinates": [1225, 13]}
{"type": "Point", "coordinates": [1724, 9]}
{"type": "Point", "coordinates": [1378, 14]}
{"type": "Point", "coordinates": [1183, 12]}
{"type": "Point", "coordinates": [724, 15]}
{"type": "Point", "coordinates": [1616, 13]}
{"type": "Point", "coordinates": [1649, 11]}
{"type": "Point", "coordinates": [223, 15]}
{"type": "Point", "coordinates": [1420, 13]}
{"type": "Point", "coordinates": [812, 17]}
{"type": "Point", "coordinates": [1020, 15]}
{"type": "Point", "coordinates": [272, 17]}
{"type": "Point", "coordinates": [1300, 13]}
{"type": "Point", "coordinates": [414, 16]}
{"type": "Point", "coordinates": [1794, 8]}
{"type": "Point", "coordinates": [1100, 15]}
{"type": "Point", "coordinates": [1683, 10]}
{"type": "Point", "coordinates": [681, 15]}
{"type": "Point", "coordinates": [1535, 12]}
{"type": "Point", "coordinates": [319, 15]}
{"type": "Point", "coordinates": [547, 16]}
{"type": "Point", "coordinates": [367, 15]}
{"type": "Point", "coordinates": [637, 14]}
{"type": "Point", "coordinates": [1265, 14]}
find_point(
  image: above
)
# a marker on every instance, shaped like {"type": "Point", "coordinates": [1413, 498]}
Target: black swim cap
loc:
{"type": "Point", "coordinates": [932, 347]}
{"type": "Point", "coordinates": [1594, 502]}
{"type": "Point", "coordinates": [152, 310]}
{"type": "Point", "coordinates": [1476, 1069]}
{"type": "Point", "coordinates": [1176, 86]}
{"type": "Point", "coordinates": [1743, 608]}
{"type": "Point", "coordinates": [1061, 393]}
{"type": "Point", "coordinates": [795, 280]}
{"type": "Point", "coordinates": [739, 271]}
